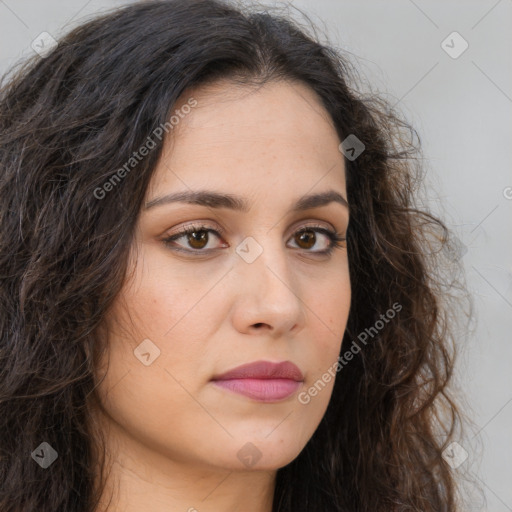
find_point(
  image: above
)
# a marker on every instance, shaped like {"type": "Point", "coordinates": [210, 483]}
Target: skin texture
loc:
{"type": "Point", "coordinates": [173, 435]}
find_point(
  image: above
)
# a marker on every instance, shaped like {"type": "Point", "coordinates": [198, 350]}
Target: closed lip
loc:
{"type": "Point", "coordinates": [263, 370]}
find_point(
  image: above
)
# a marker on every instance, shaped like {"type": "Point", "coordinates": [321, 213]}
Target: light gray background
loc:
{"type": "Point", "coordinates": [462, 110]}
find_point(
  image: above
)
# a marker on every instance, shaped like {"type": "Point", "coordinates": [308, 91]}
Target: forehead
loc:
{"type": "Point", "coordinates": [275, 136]}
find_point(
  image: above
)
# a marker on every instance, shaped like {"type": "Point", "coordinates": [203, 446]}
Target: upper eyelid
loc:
{"type": "Point", "coordinates": [200, 226]}
{"type": "Point", "coordinates": [206, 224]}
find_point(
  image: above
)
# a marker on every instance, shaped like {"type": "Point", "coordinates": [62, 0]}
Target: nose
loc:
{"type": "Point", "coordinates": [268, 294]}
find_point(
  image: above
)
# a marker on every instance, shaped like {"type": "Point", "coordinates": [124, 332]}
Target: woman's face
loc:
{"type": "Point", "coordinates": [247, 286]}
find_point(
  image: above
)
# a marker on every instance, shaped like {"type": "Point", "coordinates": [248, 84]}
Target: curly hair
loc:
{"type": "Point", "coordinates": [69, 119]}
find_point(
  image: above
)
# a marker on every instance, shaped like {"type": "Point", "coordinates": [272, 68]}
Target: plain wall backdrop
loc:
{"type": "Point", "coordinates": [460, 102]}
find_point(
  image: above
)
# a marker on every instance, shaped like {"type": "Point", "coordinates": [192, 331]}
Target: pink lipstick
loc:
{"type": "Point", "coordinates": [262, 380]}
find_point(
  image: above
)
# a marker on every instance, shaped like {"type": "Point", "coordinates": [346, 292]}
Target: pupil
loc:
{"type": "Point", "coordinates": [308, 234]}
{"type": "Point", "coordinates": [196, 240]}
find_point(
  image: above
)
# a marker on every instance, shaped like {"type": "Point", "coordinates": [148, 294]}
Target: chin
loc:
{"type": "Point", "coordinates": [263, 453]}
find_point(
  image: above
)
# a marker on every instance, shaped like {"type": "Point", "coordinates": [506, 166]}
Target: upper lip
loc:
{"type": "Point", "coordinates": [263, 370]}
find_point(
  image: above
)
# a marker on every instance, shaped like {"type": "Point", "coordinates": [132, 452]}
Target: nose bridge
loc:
{"type": "Point", "coordinates": [266, 276]}
{"type": "Point", "coordinates": [265, 259]}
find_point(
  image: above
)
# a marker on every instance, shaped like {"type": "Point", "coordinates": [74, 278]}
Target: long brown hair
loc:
{"type": "Point", "coordinates": [71, 119]}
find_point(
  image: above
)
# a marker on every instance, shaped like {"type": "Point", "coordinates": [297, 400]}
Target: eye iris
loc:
{"type": "Point", "coordinates": [194, 239]}
{"type": "Point", "coordinates": [308, 236]}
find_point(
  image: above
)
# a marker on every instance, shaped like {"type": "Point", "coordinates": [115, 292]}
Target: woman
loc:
{"type": "Point", "coordinates": [217, 291]}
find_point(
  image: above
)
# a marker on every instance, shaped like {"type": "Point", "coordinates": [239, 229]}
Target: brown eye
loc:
{"type": "Point", "coordinates": [198, 239]}
{"type": "Point", "coordinates": [192, 239]}
{"type": "Point", "coordinates": [307, 237]}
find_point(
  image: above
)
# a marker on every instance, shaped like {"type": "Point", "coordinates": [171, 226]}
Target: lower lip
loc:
{"type": "Point", "coordinates": [263, 390]}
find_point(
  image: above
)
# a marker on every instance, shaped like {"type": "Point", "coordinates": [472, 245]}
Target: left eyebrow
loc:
{"type": "Point", "coordinates": [213, 199]}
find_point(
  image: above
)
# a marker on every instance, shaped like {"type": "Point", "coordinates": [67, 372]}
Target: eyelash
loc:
{"type": "Point", "coordinates": [337, 240]}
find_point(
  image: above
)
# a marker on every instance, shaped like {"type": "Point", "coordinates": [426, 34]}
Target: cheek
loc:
{"type": "Point", "coordinates": [167, 314]}
{"type": "Point", "coordinates": [329, 308]}
{"type": "Point", "coordinates": [142, 398]}
{"type": "Point", "coordinates": [328, 311]}
{"type": "Point", "coordinates": [162, 298]}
